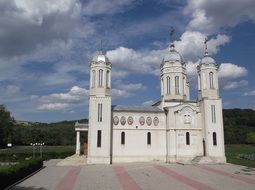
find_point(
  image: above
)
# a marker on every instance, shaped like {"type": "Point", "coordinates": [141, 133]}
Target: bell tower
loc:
{"type": "Point", "coordinates": [99, 110]}
{"type": "Point", "coordinates": [174, 85]}
{"type": "Point", "coordinates": [211, 108]}
{"type": "Point", "coordinates": [207, 77]}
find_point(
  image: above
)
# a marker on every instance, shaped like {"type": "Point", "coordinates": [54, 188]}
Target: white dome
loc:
{"type": "Point", "coordinates": [172, 56]}
{"type": "Point", "coordinates": [207, 59]}
{"type": "Point", "coordinates": [100, 57]}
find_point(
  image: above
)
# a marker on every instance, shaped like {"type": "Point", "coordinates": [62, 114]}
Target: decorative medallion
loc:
{"type": "Point", "coordinates": [156, 121]}
{"type": "Point", "coordinates": [123, 120]}
{"type": "Point", "coordinates": [149, 121]}
{"type": "Point", "coordinates": [115, 120]}
{"type": "Point", "coordinates": [142, 120]}
{"type": "Point", "coordinates": [130, 120]}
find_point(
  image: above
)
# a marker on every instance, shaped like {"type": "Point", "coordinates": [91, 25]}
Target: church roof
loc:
{"type": "Point", "coordinates": [137, 108]}
{"type": "Point", "coordinates": [101, 56]}
{"type": "Point", "coordinates": [207, 59]}
{"type": "Point", "coordinates": [172, 55]}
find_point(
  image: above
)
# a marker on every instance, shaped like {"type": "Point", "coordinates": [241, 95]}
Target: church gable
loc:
{"type": "Point", "coordinates": [186, 116]}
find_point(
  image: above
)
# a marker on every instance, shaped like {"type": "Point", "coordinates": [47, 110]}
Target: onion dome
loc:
{"type": "Point", "coordinates": [207, 58]}
{"type": "Point", "coordinates": [172, 55]}
{"type": "Point", "coordinates": [101, 57]}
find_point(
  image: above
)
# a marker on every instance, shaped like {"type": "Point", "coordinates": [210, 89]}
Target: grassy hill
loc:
{"type": "Point", "coordinates": [239, 128]}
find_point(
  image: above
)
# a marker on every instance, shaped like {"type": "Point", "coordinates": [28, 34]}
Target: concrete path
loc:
{"type": "Point", "coordinates": [137, 176]}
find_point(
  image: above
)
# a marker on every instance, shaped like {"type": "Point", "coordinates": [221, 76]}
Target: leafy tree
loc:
{"type": "Point", "coordinates": [250, 138]}
{"type": "Point", "coordinates": [6, 124]}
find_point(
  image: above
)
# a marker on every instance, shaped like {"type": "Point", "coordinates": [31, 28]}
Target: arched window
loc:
{"type": "Point", "coordinates": [199, 82]}
{"type": "Point", "coordinates": [149, 138]}
{"type": "Point", "coordinates": [168, 85]}
{"type": "Point", "coordinates": [162, 88]}
{"type": "Point", "coordinates": [187, 138]}
{"type": "Point", "coordinates": [108, 79]}
{"type": "Point", "coordinates": [184, 85]}
{"type": "Point", "coordinates": [123, 138]}
{"type": "Point", "coordinates": [214, 139]}
{"type": "Point", "coordinates": [93, 78]}
{"type": "Point", "coordinates": [177, 89]}
{"type": "Point", "coordinates": [211, 79]}
{"type": "Point", "coordinates": [100, 78]}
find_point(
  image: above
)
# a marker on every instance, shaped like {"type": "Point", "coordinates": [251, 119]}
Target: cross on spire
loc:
{"type": "Point", "coordinates": [101, 47]}
{"type": "Point", "coordinates": [206, 50]}
{"type": "Point", "coordinates": [172, 32]}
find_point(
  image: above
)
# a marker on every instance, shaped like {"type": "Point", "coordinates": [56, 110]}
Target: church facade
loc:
{"type": "Point", "coordinates": [175, 129]}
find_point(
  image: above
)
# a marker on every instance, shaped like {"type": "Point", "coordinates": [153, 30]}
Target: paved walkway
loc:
{"type": "Point", "coordinates": [137, 176]}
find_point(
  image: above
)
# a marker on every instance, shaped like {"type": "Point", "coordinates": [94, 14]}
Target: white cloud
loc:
{"type": "Point", "coordinates": [31, 24]}
{"type": "Point", "coordinates": [97, 7]}
{"type": "Point", "coordinates": [126, 61]}
{"type": "Point", "coordinates": [235, 84]}
{"type": "Point", "coordinates": [53, 107]}
{"type": "Point", "coordinates": [12, 90]}
{"type": "Point", "coordinates": [117, 93]}
{"type": "Point", "coordinates": [126, 90]}
{"type": "Point", "coordinates": [191, 45]}
{"type": "Point", "coordinates": [75, 95]}
{"type": "Point", "coordinates": [148, 103]}
{"type": "Point", "coordinates": [251, 93]}
{"type": "Point", "coordinates": [230, 70]}
{"type": "Point", "coordinates": [58, 101]}
{"type": "Point", "coordinates": [192, 68]}
{"type": "Point", "coordinates": [210, 16]}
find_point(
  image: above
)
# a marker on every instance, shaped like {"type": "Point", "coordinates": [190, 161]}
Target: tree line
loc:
{"type": "Point", "coordinates": [239, 128]}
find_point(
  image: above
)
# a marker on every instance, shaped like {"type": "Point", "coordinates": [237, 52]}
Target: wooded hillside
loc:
{"type": "Point", "coordinates": [239, 127]}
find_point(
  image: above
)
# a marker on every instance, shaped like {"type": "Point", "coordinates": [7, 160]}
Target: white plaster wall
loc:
{"type": "Point", "coordinates": [178, 150]}
{"type": "Point", "coordinates": [99, 154]}
{"type": "Point", "coordinates": [136, 147]}
{"type": "Point", "coordinates": [217, 151]}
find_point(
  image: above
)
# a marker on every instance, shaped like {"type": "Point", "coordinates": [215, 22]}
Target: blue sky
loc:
{"type": "Point", "coordinates": [46, 47]}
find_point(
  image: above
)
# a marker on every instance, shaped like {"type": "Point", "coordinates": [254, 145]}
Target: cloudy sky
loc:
{"type": "Point", "coordinates": [46, 47]}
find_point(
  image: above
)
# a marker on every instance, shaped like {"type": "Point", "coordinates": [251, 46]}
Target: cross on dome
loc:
{"type": "Point", "coordinates": [206, 50]}
{"type": "Point", "coordinates": [172, 32]}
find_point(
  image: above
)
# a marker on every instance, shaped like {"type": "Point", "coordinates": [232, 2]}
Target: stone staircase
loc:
{"type": "Point", "coordinates": [74, 160]}
{"type": "Point", "coordinates": [203, 160]}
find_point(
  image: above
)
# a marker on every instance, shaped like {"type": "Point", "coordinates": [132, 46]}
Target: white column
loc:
{"type": "Point", "coordinates": [78, 143]}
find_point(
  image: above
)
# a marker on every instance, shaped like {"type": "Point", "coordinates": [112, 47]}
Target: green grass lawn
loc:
{"type": "Point", "coordinates": [234, 151]}
{"type": "Point", "coordinates": [22, 152]}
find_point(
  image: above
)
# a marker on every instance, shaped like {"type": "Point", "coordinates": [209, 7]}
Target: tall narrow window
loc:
{"type": "Point", "coordinates": [211, 79]}
{"type": "Point", "coordinates": [93, 78]}
{"type": "Point", "coordinates": [177, 87]}
{"type": "Point", "coordinates": [123, 138]}
{"type": "Point", "coordinates": [108, 79]}
{"type": "Point", "coordinates": [213, 114]}
{"type": "Point", "coordinates": [149, 138]}
{"type": "Point", "coordinates": [99, 134]}
{"type": "Point", "coordinates": [199, 82]}
{"type": "Point", "coordinates": [99, 112]}
{"type": "Point", "coordinates": [184, 85]}
{"type": "Point", "coordinates": [214, 139]}
{"type": "Point", "coordinates": [100, 78]}
{"type": "Point", "coordinates": [187, 138]}
{"type": "Point", "coordinates": [162, 88]}
{"type": "Point", "coordinates": [168, 85]}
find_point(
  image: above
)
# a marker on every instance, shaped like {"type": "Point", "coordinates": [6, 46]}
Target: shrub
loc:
{"type": "Point", "coordinates": [11, 174]}
{"type": "Point", "coordinates": [250, 138]}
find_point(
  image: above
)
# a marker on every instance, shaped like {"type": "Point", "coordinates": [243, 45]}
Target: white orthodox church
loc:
{"type": "Point", "coordinates": [175, 129]}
